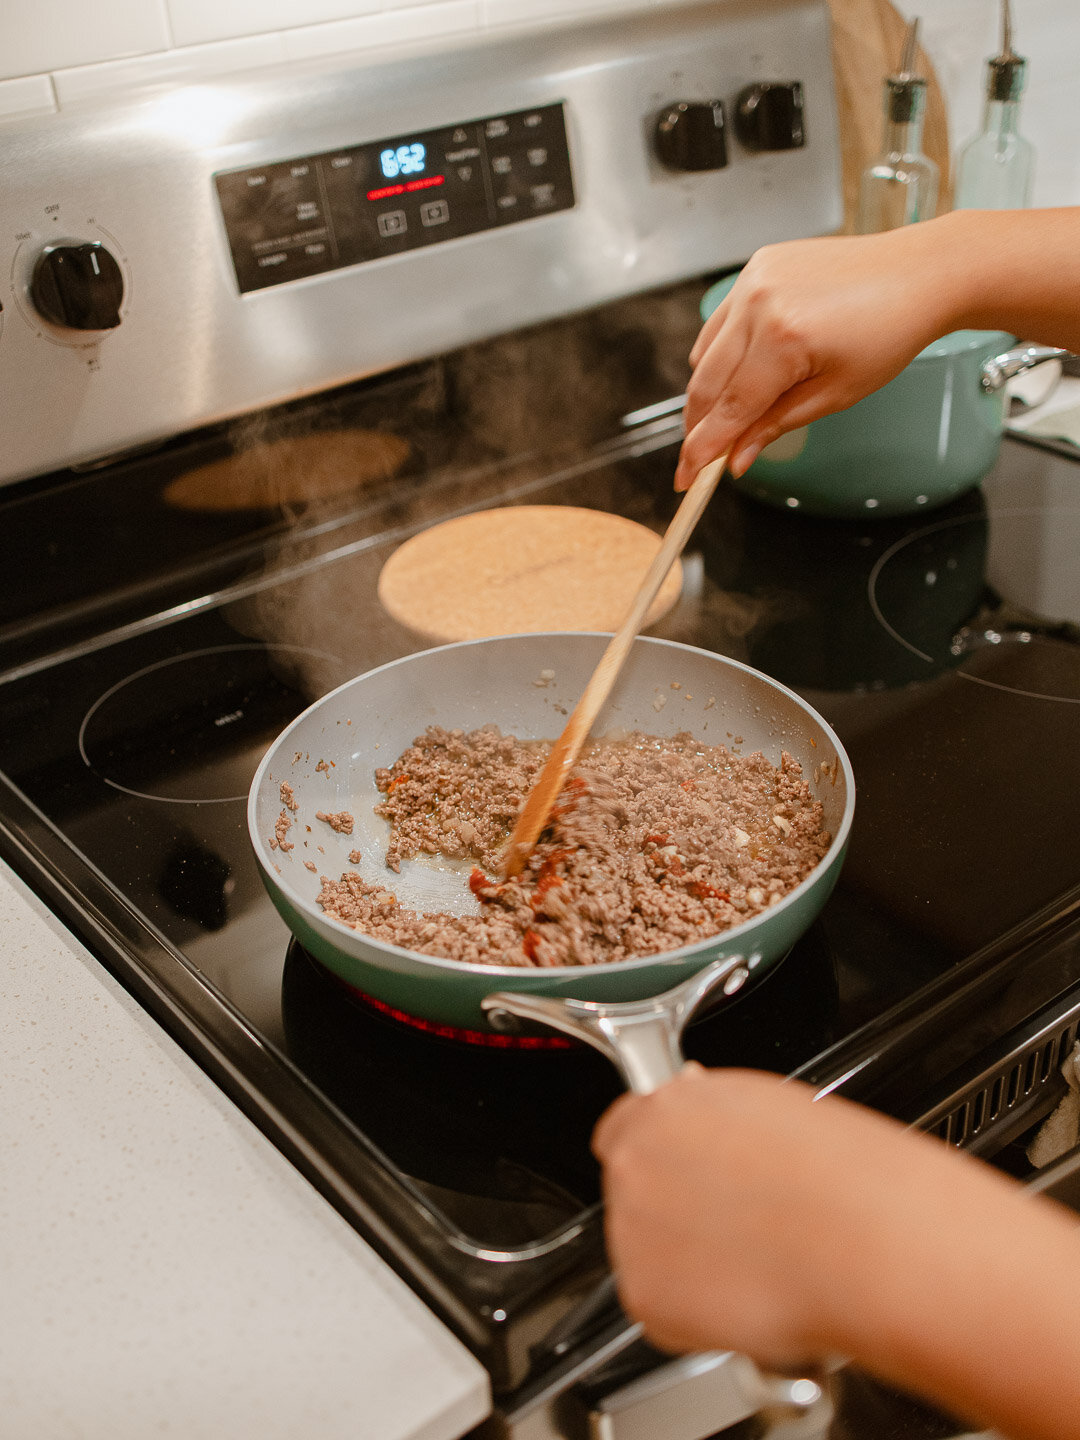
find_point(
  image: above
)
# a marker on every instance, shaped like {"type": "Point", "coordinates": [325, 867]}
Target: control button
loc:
{"type": "Point", "coordinates": [542, 195]}
{"type": "Point", "coordinates": [506, 202]}
{"type": "Point", "coordinates": [690, 136]}
{"type": "Point", "coordinates": [769, 116]}
{"type": "Point", "coordinates": [393, 222]}
{"type": "Point", "coordinates": [464, 172]}
{"type": "Point", "coordinates": [79, 286]}
{"type": "Point", "coordinates": [533, 120]}
{"type": "Point", "coordinates": [502, 164]}
{"type": "Point", "coordinates": [496, 129]}
{"type": "Point", "coordinates": [434, 212]}
{"type": "Point", "coordinates": [537, 156]}
{"type": "Point", "coordinates": [460, 136]}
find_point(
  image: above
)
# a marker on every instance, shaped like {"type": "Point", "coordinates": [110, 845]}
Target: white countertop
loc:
{"type": "Point", "coordinates": [163, 1269]}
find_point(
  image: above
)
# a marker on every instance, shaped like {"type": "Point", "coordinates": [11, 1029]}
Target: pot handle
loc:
{"type": "Point", "coordinates": [641, 1038]}
{"type": "Point", "coordinates": [1000, 369]}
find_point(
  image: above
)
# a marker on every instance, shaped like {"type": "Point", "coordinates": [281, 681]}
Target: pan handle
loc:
{"type": "Point", "coordinates": [640, 1037]}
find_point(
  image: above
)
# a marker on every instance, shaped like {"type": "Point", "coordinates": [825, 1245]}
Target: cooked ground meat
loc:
{"type": "Point", "coordinates": [654, 844]}
{"type": "Point", "coordinates": [339, 820]}
{"type": "Point", "coordinates": [281, 831]}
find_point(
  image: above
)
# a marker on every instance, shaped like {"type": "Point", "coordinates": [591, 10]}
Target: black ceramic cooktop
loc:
{"type": "Point", "coordinates": [943, 648]}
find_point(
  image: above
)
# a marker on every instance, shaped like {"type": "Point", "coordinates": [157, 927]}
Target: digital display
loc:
{"type": "Point", "coordinates": [404, 160]}
{"type": "Point", "coordinates": [303, 217]}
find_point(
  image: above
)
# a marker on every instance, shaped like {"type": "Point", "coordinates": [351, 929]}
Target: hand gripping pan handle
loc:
{"type": "Point", "coordinates": [642, 1039]}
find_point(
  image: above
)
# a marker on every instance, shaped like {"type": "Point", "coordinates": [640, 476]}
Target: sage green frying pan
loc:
{"type": "Point", "coordinates": [527, 685]}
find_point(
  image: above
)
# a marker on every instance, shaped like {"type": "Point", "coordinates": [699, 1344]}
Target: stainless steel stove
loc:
{"type": "Point", "coordinates": [246, 278]}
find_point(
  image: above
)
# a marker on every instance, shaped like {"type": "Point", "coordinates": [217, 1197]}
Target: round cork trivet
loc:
{"type": "Point", "coordinates": [523, 569]}
{"type": "Point", "coordinates": [292, 470]}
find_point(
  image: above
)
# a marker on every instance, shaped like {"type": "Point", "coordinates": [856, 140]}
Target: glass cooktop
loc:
{"type": "Point", "coordinates": [943, 649]}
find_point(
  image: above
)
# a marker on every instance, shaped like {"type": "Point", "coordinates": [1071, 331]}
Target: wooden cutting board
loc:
{"type": "Point", "coordinates": [868, 38]}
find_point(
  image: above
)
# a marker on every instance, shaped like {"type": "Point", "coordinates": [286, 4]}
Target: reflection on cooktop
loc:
{"type": "Point", "coordinates": [928, 592]}
{"type": "Point", "coordinates": [498, 1140]}
{"type": "Point", "coordinates": [157, 733]}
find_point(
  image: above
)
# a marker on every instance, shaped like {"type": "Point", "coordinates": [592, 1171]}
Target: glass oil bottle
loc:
{"type": "Point", "coordinates": [996, 167]}
{"type": "Point", "coordinates": [901, 185]}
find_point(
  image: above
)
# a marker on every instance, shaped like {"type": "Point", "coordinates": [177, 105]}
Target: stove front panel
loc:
{"type": "Point", "coordinates": [135, 302]}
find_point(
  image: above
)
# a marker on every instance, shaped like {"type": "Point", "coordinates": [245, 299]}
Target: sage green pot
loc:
{"type": "Point", "coordinates": [921, 440]}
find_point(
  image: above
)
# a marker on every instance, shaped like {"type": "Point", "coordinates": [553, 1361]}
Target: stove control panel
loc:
{"type": "Point", "coordinates": [322, 212]}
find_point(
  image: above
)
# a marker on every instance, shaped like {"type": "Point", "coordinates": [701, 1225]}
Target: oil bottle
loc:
{"type": "Point", "coordinates": [996, 168]}
{"type": "Point", "coordinates": [901, 185]}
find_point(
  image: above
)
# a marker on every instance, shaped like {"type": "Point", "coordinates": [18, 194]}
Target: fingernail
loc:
{"type": "Point", "coordinates": [743, 460]}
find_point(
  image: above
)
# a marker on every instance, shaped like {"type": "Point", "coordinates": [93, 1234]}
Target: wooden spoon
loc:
{"type": "Point", "coordinates": [565, 751]}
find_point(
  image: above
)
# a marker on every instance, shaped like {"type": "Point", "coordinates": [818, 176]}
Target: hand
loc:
{"type": "Point", "coordinates": [810, 327]}
{"type": "Point", "coordinates": [720, 1212]}
{"type": "Point", "coordinates": [743, 1214]}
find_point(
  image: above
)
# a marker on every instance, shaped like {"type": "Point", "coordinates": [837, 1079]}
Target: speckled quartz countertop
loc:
{"type": "Point", "coordinates": [163, 1269]}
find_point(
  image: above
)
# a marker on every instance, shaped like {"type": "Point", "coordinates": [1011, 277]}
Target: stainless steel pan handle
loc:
{"type": "Point", "coordinates": [642, 1039]}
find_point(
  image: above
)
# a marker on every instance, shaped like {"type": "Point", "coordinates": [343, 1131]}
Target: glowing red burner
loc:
{"type": "Point", "coordinates": [490, 1038]}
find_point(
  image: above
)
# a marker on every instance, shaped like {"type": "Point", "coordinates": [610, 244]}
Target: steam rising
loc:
{"type": "Point", "coordinates": [482, 426]}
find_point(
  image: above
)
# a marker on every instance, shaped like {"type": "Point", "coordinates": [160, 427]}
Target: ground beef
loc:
{"type": "Point", "coordinates": [281, 831]}
{"type": "Point", "coordinates": [339, 820]}
{"type": "Point", "coordinates": [654, 844]}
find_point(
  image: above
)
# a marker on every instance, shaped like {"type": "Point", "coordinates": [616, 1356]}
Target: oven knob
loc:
{"type": "Point", "coordinates": [769, 116]}
{"type": "Point", "coordinates": [690, 136]}
{"type": "Point", "coordinates": [78, 285]}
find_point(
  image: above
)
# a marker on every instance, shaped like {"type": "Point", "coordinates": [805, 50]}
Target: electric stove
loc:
{"type": "Point", "coordinates": [158, 629]}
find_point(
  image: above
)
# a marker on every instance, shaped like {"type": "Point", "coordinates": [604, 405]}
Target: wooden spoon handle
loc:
{"type": "Point", "coordinates": [565, 751]}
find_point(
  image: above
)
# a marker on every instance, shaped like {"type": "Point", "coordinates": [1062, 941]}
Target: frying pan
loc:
{"type": "Point", "coordinates": [526, 685]}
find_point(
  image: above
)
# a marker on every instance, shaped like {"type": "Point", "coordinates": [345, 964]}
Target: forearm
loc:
{"type": "Point", "coordinates": [1014, 270]}
{"type": "Point", "coordinates": [965, 1288]}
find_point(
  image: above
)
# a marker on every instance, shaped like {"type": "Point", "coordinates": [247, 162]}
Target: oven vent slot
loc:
{"type": "Point", "coordinates": [1006, 1090]}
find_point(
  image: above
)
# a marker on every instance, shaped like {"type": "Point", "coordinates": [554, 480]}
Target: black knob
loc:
{"type": "Point", "coordinates": [769, 116]}
{"type": "Point", "coordinates": [78, 285]}
{"type": "Point", "coordinates": [690, 136]}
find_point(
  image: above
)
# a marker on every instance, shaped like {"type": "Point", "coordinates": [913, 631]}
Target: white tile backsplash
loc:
{"type": "Point", "coordinates": [124, 43]}
{"type": "Point", "coordinates": [400, 26]}
{"type": "Point", "coordinates": [41, 35]}
{"type": "Point", "coordinates": [184, 65]}
{"type": "Point", "coordinates": [195, 22]}
{"type": "Point", "coordinates": [29, 95]}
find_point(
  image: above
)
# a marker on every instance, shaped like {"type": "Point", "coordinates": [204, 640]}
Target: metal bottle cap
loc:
{"type": "Point", "coordinates": [1005, 72]}
{"type": "Point", "coordinates": [1005, 77]}
{"type": "Point", "coordinates": [905, 91]}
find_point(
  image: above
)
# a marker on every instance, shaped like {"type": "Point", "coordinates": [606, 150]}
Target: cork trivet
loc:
{"type": "Point", "coordinates": [522, 569]}
{"type": "Point", "coordinates": [292, 470]}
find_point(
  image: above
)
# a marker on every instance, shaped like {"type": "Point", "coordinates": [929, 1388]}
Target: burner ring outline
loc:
{"type": "Point", "coordinates": [140, 674]}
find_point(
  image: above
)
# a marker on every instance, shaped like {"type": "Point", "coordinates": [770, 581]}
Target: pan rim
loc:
{"type": "Point", "coordinates": [517, 972]}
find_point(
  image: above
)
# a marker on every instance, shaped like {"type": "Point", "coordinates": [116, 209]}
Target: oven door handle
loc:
{"type": "Point", "coordinates": [695, 1395]}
